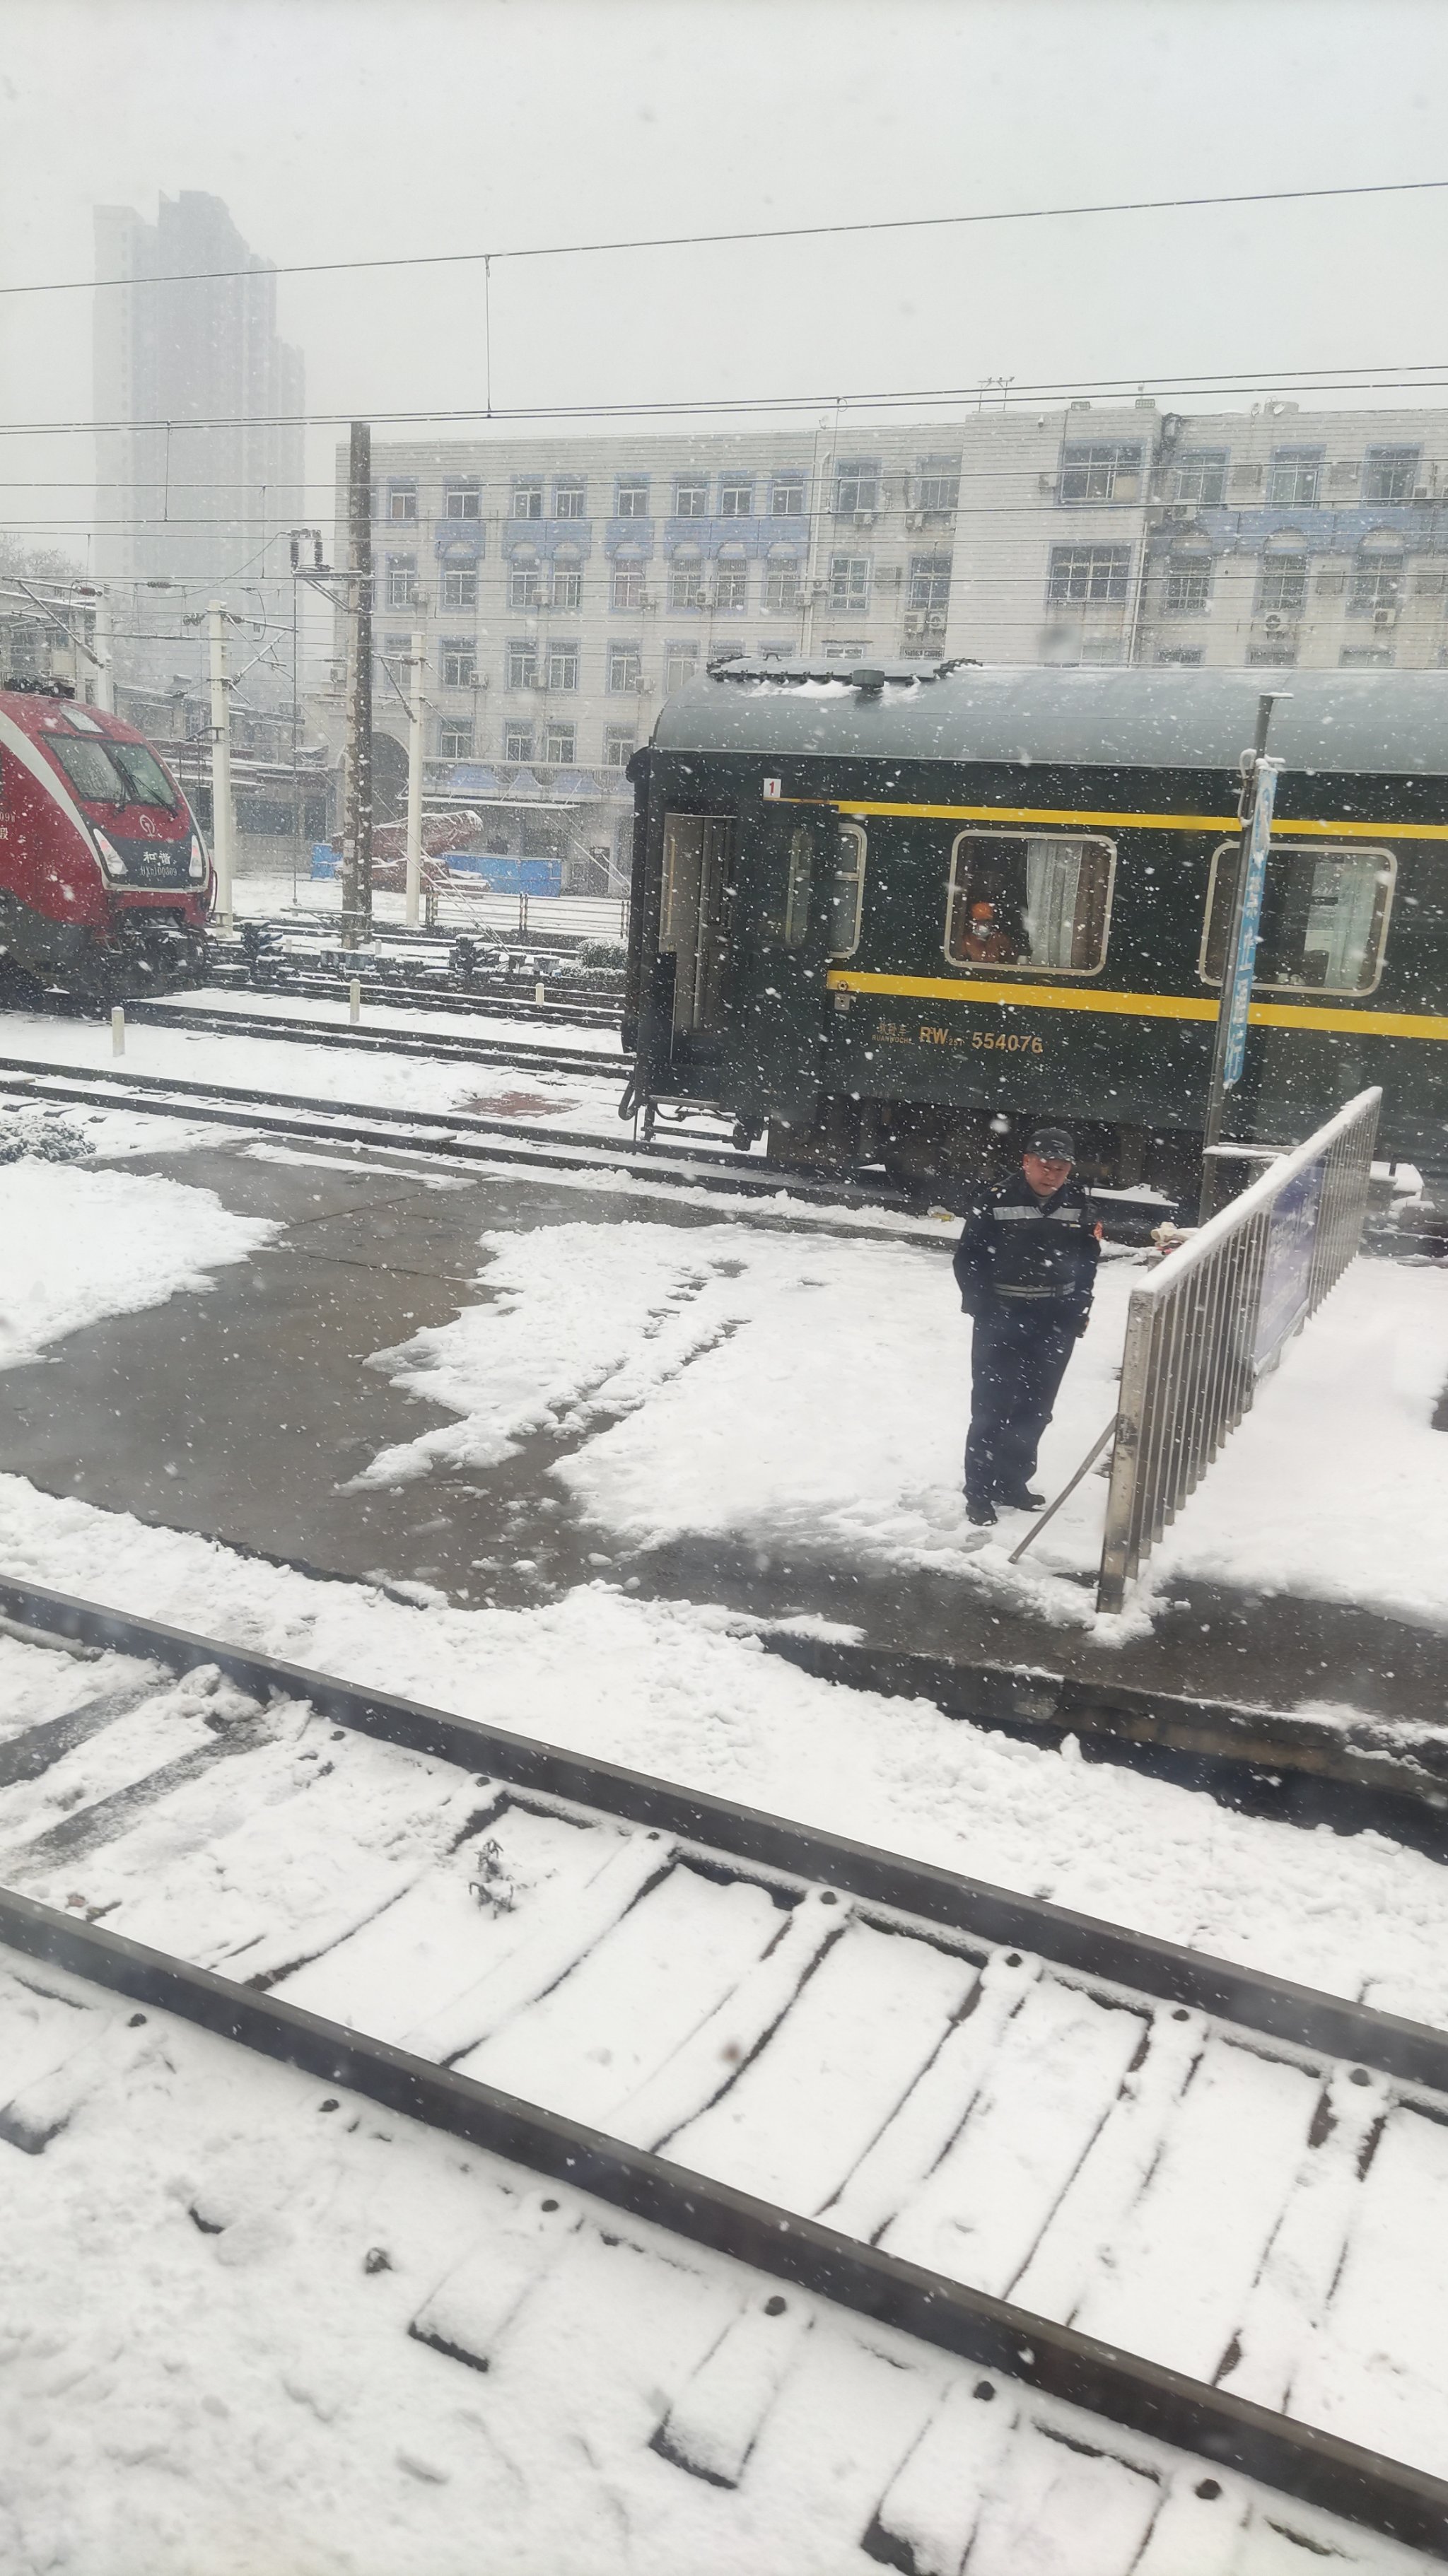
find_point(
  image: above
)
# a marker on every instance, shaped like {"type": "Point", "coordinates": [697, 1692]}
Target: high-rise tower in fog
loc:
{"type": "Point", "coordinates": [206, 473]}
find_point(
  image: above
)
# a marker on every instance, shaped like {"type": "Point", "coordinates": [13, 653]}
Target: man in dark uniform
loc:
{"type": "Point", "coordinates": [1026, 1268]}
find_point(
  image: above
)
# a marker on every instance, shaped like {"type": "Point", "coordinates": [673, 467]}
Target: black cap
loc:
{"type": "Point", "coordinates": [1052, 1144]}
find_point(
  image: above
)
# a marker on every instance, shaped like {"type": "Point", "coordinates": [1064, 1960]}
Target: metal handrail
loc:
{"type": "Point", "coordinates": [1199, 1332]}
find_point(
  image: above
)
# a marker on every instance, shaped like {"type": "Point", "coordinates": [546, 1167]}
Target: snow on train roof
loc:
{"type": "Point", "coordinates": [1373, 723]}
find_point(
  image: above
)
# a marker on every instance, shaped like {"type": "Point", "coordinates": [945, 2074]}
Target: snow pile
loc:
{"type": "Point", "coordinates": [80, 1245]}
{"type": "Point", "coordinates": [682, 1691]}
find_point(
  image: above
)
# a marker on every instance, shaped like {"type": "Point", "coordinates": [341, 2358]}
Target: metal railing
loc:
{"type": "Point", "coordinates": [1208, 1324]}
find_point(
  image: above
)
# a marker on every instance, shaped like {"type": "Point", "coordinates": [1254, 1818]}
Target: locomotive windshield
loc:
{"type": "Point", "coordinates": [1019, 899]}
{"type": "Point", "coordinates": [114, 773]}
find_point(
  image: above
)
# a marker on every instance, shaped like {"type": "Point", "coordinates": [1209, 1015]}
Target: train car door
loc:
{"type": "Point", "coordinates": [784, 917]}
{"type": "Point", "coordinates": [695, 918]}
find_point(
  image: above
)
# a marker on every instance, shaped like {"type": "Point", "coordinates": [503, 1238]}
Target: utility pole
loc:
{"type": "Point", "coordinates": [222, 818]}
{"type": "Point", "coordinates": [357, 803]}
{"type": "Point", "coordinates": [105, 680]}
{"type": "Point", "coordinates": [1239, 953]}
{"type": "Point", "coordinates": [414, 787]}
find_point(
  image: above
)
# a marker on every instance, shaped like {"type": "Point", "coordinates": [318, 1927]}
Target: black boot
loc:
{"type": "Point", "coordinates": [982, 1513]}
{"type": "Point", "coordinates": [1023, 1500]}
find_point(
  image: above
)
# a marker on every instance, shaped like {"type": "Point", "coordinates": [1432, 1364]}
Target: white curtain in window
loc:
{"type": "Point", "coordinates": [1340, 919]}
{"type": "Point", "coordinates": [1053, 885]}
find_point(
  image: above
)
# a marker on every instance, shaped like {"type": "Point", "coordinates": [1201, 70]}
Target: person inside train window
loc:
{"type": "Point", "coordinates": [1019, 899]}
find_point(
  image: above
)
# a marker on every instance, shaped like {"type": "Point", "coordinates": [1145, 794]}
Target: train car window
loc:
{"type": "Point", "coordinates": [148, 781]}
{"type": "Point", "coordinates": [797, 892]}
{"type": "Point", "coordinates": [91, 770]}
{"type": "Point", "coordinates": [1324, 918]}
{"type": "Point", "coordinates": [847, 890]}
{"type": "Point", "coordinates": [1032, 902]}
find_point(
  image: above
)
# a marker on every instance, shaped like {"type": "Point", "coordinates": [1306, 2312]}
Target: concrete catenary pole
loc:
{"type": "Point", "coordinates": [222, 817]}
{"type": "Point", "coordinates": [357, 807]}
{"type": "Point", "coordinates": [414, 787]}
{"type": "Point", "coordinates": [105, 679]}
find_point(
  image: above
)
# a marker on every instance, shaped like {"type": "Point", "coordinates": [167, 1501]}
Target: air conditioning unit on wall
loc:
{"type": "Point", "coordinates": [1385, 617]}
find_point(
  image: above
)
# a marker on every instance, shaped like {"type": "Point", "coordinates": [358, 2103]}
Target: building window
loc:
{"type": "Point", "coordinates": [736, 496]}
{"type": "Point", "coordinates": [462, 499]}
{"type": "Point", "coordinates": [1029, 900]}
{"type": "Point", "coordinates": [847, 890]}
{"type": "Point", "coordinates": [517, 741]}
{"type": "Point", "coordinates": [849, 581]}
{"type": "Point", "coordinates": [1188, 587]}
{"type": "Point", "coordinates": [522, 666]}
{"type": "Point", "coordinates": [1324, 917]}
{"type": "Point", "coordinates": [681, 662]}
{"type": "Point", "coordinates": [1272, 657]}
{"type": "Point", "coordinates": [1201, 477]}
{"type": "Point", "coordinates": [459, 586]}
{"type": "Point", "coordinates": [691, 497]}
{"type": "Point", "coordinates": [1101, 470]}
{"type": "Point", "coordinates": [628, 585]}
{"type": "Point", "coordinates": [851, 652]}
{"type": "Point", "coordinates": [570, 494]}
{"type": "Point", "coordinates": [402, 500]}
{"type": "Point", "coordinates": [1365, 657]}
{"type": "Point", "coordinates": [562, 666]}
{"type": "Point", "coordinates": [459, 663]}
{"type": "Point", "coordinates": [1185, 653]}
{"type": "Point", "coordinates": [1294, 479]}
{"type": "Point", "coordinates": [1094, 574]}
{"type": "Point", "coordinates": [937, 483]}
{"type": "Point", "coordinates": [567, 586]}
{"type": "Point", "coordinates": [631, 499]}
{"type": "Point", "coordinates": [618, 747]}
{"type": "Point", "coordinates": [857, 487]}
{"type": "Point", "coordinates": [1282, 588]}
{"type": "Point", "coordinates": [527, 496]}
{"type": "Point", "coordinates": [454, 739]}
{"type": "Point", "coordinates": [624, 667]}
{"type": "Point", "coordinates": [929, 582]}
{"type": "Point", "coordinates": [402, 581]}
{"type": "Point", "coordinates": [786, 496]}
{"type": "Point", "coordinates": [731, 588]}
{"type": "Point", "coordinates": [525, 586]}
{"type": "Point", "coordinates": [781, 586]}
{"type": "Point", "coordinates": [1389, 473]}
{"type": "Point", "coordinates": [1376, 584]}
{"type": "Point", "coordinates": [686, 585]}
{"type": "Point", "coordinates": [560, 744]}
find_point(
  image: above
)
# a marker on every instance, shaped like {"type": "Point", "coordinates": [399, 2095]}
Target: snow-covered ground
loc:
{"type": "Point", "coordinates": [812, 1394]}
{"type": "Point", "coordinates": [81, 1245]}
{"type": "Point", "coordinates": [408, 1020]}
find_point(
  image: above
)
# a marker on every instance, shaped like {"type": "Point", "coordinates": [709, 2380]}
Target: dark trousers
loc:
{"type": "Point", "coordinates": [1018, 1357]}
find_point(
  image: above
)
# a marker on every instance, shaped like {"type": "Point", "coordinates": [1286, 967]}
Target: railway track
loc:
{"type": "Point", "coordinates": [510, 1000]}
{"type": "Point", "coordinates": [441, 1044]}
{"type": "Point", "coordinates": [454, 1135]}
{"type": "Point", "coordinates": [1156, 2199]}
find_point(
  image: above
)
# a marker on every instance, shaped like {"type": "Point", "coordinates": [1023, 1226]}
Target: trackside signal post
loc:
{"type": "Point", "coordinates": [1239, 957]}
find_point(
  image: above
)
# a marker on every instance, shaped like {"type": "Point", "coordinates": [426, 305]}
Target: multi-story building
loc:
{"type": "Point", "coordinates": [206, 472]}
{"type": "Point", "coordinates": [563, 586]}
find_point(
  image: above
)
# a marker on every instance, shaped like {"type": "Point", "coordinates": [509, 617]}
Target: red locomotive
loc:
{"type": "Point", "coordinates": [105, 884]}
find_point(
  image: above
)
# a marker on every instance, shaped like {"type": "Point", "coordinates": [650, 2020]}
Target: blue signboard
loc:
{"type": "Point", "coordinates": [1237, 996]}
{"type": "Point", "coordinates": [1287, 1270]}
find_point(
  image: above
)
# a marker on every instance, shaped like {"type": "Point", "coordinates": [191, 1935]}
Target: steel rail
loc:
{"type": "Point", "coordinates": [1330, 2025]}
{"type": "Point", "coordinates": [430, 1131]}
{"type": "Point", "coordinates": [443, 1044]}
{"type": "Point", "coordinates": [1292, 2458]}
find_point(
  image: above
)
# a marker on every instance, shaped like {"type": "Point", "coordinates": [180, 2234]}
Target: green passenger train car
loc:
{"type": "Point", "coordinates": [889, 917]}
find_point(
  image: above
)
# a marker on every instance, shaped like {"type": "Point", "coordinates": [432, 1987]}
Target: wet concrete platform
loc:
{"type": "Point", "coordinates": [245, 1411]}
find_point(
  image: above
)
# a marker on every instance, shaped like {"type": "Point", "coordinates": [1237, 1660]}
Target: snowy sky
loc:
{"type": "Point", "coordinates": [350, 127]}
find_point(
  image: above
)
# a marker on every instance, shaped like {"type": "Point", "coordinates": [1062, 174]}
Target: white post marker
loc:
{"type": "Point", "coordinates": [354, 999]}
{"type": "Point", "coordinates": [223, 820]}
{"type": "Point", "coordinates": [118, 1031]}
{"type": "Point", "coordinates": [540, 992]}
{"type": "Point", "coordinates": [105, 681]}
{"type": "Point", "coordinates": [414, 787]}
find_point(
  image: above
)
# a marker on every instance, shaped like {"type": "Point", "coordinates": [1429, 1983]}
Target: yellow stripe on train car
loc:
{"type": "Point", "coordinates": [1146, 1006]}
{"type": "Point", "coordinates": [865, 806]}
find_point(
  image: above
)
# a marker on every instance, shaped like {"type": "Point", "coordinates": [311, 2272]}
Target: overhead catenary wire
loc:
{"type": "Point", "coordinates": [258, 269]}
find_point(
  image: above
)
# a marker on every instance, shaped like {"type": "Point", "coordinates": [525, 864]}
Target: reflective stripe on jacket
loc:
{"type": "Point", "coordinates": [1018, 1246]}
